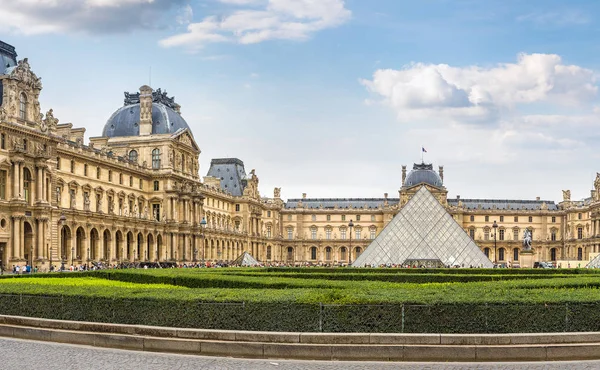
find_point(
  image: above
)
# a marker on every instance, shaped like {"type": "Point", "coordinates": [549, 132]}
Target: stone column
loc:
{"type": "Point", "coordinates": [16, 180]}
{"type": "Point", "coordinates": [16, 236]}
{"type": "Point", "coordinates": [39, 253]}
{"type": "Point", "coordinates": [38, 190]}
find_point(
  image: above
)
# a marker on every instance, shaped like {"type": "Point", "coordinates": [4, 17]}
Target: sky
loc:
{"type": "Point", "coordinates": [332, 97]}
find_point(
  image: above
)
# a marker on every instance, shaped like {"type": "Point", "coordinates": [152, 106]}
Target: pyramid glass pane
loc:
{"type": "Point", "coordinates": [246, 259]}
{"type": "Point", "coordinates": [423, 233]}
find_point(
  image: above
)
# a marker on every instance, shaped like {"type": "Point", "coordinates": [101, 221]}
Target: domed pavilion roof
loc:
{"type": "Point", "coordinates": [166, 118]}
{"type": "Point", "coordinates": [423, 174]}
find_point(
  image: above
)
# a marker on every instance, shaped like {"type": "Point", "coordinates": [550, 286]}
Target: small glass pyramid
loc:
{"type": "Point", "coordinates": [245, 259]}
{"type": "Point", "coordinates": [423, 233]}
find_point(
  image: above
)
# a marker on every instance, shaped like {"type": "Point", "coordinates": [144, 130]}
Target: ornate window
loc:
{"type": "Point", "coordinates": [486, 234]}
{"type": "Point", "coordinates": [579, 254]}
{"type": "Point", "coordinates": [515, 254]}
{"type": "Point", "coordinates": [98, 172]}
{"type": "Point", "coordinates": [27, 184]}
{"type": "Point", "coordinates": [501, 218]}
{"type": "Point", "coordinates": [156, 159]}
{"type": "Point", "coordinates": [72, 166]}
{"type": "Point", "coordinates": [486, 251]}
{"type": "Point", "coordinates": [487, 218]}
{"type": "Point", "coordinates": [328, 233]}
{"type": "Point", "coordinates": [501, 254]}
{"type": "Point", "coordinates": [313, 253]}
{"type": "Point", "coordinates": [343, 217]}
{"type": "Point", "coordinates": [553, 254]}
{"type": "Point", "coordinates": [516, 218]}
{"type": "Point", "coordinates": [268, 231]}
{"type": "Point", "coordinates": [553, 235]}
{"type": "Point", "coordinates": [343, 256]}
{"type": "Point", "coordinates": [328, 253]}
{"type": "Point", "coordinates": [357, 217]}
{"type": "Point", "coordinates": [501, 236]}
{"type": "Point", "coordinates": [2, 141]}
{"type": "Point", "coordinates": [268, 252]}
{"type": "Point", "coordinates": [373, 232]}
{"type": "Point", "coordinates": [313, 217]}
{"type": "Point", "coordinates": [515, 234]}
{"type": "Point", "coordinates": [472, 233]}
{"type": "Point", "coordinates": [472, 218]}
{"type": "Point", "coordinates": [290, 233]}
{"type": "Point", "coordinates": [580, 232]}
{"type": "Point", "coordinates": [357, 233]}
{"type": "Point", "coordinates": [553, 219]}
{"type": "Point", "coordinates": [133, 156]}
{"type": "Point", "coordinates": [343, 233]}
{"type": "Point", "coordinates": [328, 217]}
{"type": "Point", "coordinates": [290, 254]}
{"type": "Point", "coordinates": [23, 106]}
{"type": "Point", "coordinates": [530, 219]}
{"type": "Point", "coordinates": [313, 233]}
{"type": "Point", "coordinates": [156, 185]}
{"type": "Point", "coordinates": [110, 175]}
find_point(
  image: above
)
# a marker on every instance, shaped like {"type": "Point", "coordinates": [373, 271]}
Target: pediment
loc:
{"type": "Point", "coordinates": [185, 137]}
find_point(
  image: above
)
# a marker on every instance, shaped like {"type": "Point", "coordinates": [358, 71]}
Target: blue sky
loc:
{"type": "Point", "coordinates": [331, 97]}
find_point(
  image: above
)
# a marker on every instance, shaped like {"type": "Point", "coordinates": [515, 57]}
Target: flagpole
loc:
{"type": "Point", "coordinates": [422, 154]}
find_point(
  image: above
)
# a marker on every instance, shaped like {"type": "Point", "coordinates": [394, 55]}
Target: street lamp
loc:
{"type": "Point", "coordinates": [350, 226]}
{"type": "Point", "coordinates": [495, 227]}
{"type": "Point", "coordinates": [202, 227]}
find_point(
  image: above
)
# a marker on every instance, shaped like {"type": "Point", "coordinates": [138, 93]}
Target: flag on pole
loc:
{"type": "Point", "coordinates": [423, 149]}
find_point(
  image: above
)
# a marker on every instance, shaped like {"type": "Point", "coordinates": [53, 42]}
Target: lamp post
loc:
{"type": "Point", "coordinates": [495, 227]}
{"type": "Point", "coordinates": [350, 226]}
{"type": "Point", "coordinates": [202, 227]}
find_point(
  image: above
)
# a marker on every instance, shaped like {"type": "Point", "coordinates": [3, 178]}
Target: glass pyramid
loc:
{"type": "Point", "coordinates": [245, 259]}
{"type": "Point", "coordinates": [423, 233]}
{"type": "Point", "coordinates": [594, 263]}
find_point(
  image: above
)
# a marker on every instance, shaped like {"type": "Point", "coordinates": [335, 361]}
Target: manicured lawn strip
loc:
{"type": "Point", "coordinates": [580, 289]}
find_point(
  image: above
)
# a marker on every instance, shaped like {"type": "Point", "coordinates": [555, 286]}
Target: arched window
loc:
{"type": "Point", "coordinates": [579, 254]}
{"type": "Point", "coordinates": [501, 254]}
{"type": "Point", "coordinates": [553, 254]}
{"type": "Point", "coordinates": [290, 254]}
{"type": "Point", "coordinates": [343, 256]}
{"type": "Point", "coordinates": [268, 252]}
{"type": "Point", "coordinates": [313, 253]}
{"type": "Point", "coordinates": [23, 106]}
{"type": "Point", "coordinates": [516, 254]}
{"type": "Point", "coordinates": [156, 159]}
{"type": "Point", "coordinates": [328, 253]}
{"type": "Point", "coordinates": [27, 184]}
{"type": "Point", "coordinates": [133, 156]}
{"type": "Point", "coordinates": [486, 251]}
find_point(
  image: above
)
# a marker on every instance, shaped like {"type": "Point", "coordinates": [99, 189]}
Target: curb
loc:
{"type": "Point", "coordinates": [313, 346]}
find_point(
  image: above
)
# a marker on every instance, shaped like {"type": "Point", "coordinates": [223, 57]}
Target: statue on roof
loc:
{"type": "Point", "coordinates": [597, 182]}
{"type": "Point", "coordinates": [566, 195]}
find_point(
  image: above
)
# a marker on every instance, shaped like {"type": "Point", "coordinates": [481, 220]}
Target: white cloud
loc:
{"type": "Point", "coordinates": [93, 16]}
{"type": "Point", "coordinates": [186, 14]}
{"type": "Point", "coordinates": [275, 19]}
{"type": "Point", "coordinates": [477, 94]}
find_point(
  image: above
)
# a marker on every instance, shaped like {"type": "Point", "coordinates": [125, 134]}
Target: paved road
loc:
{"type": "Point", "coordinates": [22, 354]}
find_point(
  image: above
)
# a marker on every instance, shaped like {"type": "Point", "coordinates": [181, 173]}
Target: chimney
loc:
{"type": "Point", "coordinates": [385, 197]}
{"type": "Point", "coordinates": [442, 173]}
{"type": "Point", "coordinates": [403, 174]}
{"type": "Point", "coordinates": [145, 110]}
{"type": "Point", "coordinates": [303, 195]}
{"type": "Point", "coordinates": [458, 197]}
{"type": "Point", "coordinates": [537, 198]}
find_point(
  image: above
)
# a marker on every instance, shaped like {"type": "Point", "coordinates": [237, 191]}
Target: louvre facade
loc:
{"type": "Point", "coordinates": [136, 194]}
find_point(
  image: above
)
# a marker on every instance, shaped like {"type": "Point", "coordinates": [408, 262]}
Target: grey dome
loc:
{"type": "Point", "coordinates": [423, 173]}
{"type": "Point", "coordinates": [126, 120]}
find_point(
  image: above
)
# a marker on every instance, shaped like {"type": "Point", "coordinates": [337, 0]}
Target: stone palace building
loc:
{"type": "Point", "coordinates": [135, 194]}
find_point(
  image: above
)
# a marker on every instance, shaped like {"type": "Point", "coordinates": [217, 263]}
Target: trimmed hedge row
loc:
{"type": "Point", "coordinates": [389, 318]}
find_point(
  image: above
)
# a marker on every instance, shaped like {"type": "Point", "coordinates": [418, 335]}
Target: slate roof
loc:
{"type": "Point", "coordinates": [231, 172]}
{"type": "Point", "coordinates": [423, 173]}
{"type": "Point", "coordinates": [126, 121]}
{"type": "Point", "coordinates": [330, 203]}
{"type": "Point", "coordinates": [504, 204]}
{"type": "Point", "coordinates": [8, 60]}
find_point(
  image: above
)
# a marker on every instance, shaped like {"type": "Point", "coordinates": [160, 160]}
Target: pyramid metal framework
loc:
{"type": "Point", "coordinates": [594, 263]}
{"type": "Point", "coordinates": [423, 233]}
{"type": "Point", "coordinates": [245, 259]}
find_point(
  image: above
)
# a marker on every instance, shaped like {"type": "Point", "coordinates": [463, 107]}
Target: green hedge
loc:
{"type": "Point", "coordinates": [395, 318]}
